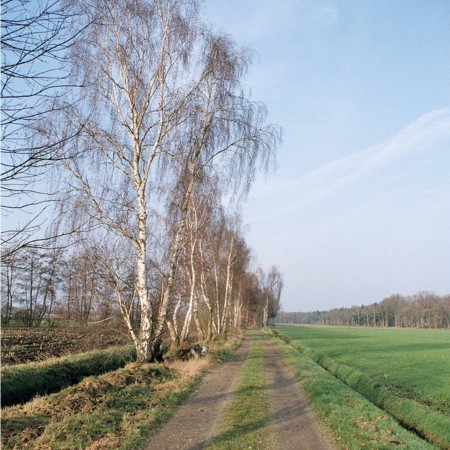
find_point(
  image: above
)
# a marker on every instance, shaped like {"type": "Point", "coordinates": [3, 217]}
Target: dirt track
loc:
{"type": "Point", "coordinates": [292, 424]}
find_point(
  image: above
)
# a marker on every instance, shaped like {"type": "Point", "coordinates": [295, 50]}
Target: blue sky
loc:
{"type": "Point", "coordinates": [359, 207]}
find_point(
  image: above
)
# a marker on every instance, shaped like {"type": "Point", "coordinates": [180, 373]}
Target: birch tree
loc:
{"type": "Point", "coordinates": [31, 282]}
{"type": "Point", "coordinates": [223, 259]}
{"type": "Point", "coordinates": [271, 287]}
{"type": "Point", "coordinates": [196, 220]}
{"type": "Point", "coordinates": [83, 285]}
{"type": "Point", "coordinates": [8, 286]}
{"type": "Point", "coordinates": [162, 106]}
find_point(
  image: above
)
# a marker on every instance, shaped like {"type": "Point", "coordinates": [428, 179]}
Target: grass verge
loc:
{"type": "Point", "coordinates": [435, 427]}
{"type": "Point", "coordinates": [246, 417]}
{"type": "Point", "coordinates": [22, 382]}
{"type": "Point", "coordinates": [355, 422]}
{"type": "Point", "coordinates": [120, 409]}
{"type": "Point", "coordinates": [411, 363]}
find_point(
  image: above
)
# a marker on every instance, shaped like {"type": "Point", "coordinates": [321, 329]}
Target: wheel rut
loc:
{"type": "Point", "coordinates": [194, 424]}
{"type": "Point", "coordinates": [290, 421]}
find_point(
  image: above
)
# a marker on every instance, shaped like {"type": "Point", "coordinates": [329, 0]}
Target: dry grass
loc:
{"type": "Point", "coordinates": [20, 383]}
{"type": "Point", "coordinates": [191, 368]}
{"type": "Point", "coordinates": [50, 418]}
{"type": "Point", "coordinates": [119, 409]}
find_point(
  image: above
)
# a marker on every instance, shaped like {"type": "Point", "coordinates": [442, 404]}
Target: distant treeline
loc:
{"type": "Point", "coordinates": [422, 310]}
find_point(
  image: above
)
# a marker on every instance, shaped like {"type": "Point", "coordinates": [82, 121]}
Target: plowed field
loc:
{"type": "Point", "coordinates": [20, 345]}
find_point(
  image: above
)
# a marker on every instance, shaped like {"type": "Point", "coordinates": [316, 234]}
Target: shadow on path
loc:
{"type": "Point", "coordinates": [289, 420]}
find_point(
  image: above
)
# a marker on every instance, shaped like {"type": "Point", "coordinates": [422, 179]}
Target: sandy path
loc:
{"type": "Point", "coordinates": [290, 420]}
{"type": "Point", "coordinates": [194, 424]}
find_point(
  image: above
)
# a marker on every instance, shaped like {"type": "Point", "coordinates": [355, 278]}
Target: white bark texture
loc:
{"type": "Point", "coordinates": [161, 109]}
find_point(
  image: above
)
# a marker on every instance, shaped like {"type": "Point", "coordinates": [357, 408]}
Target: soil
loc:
{"type": "Point", "coordinates": [21, 345]}
{"type": "Point", "coordinates": [291, 422]}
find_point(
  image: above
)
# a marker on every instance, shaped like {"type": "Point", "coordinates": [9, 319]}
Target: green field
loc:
{"type": "Point", "coordinates": [414, 363]}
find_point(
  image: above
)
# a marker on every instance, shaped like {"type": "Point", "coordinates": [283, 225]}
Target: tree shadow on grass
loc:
{"type": "Point", "coordinates": [239, 432]}
{"type": "Point", "coordinates": [205, 401]}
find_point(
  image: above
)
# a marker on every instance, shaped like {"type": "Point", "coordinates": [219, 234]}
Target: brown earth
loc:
{"type": "Point", "coordinates": [291, 422]}
{"type": "Point", "coordinates": [21, 345]}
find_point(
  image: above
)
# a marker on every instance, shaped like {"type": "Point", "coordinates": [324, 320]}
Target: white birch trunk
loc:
{"type": "Point", "coordinates": [266, 311]}
{"type": "Point", "coordinates": [228, 289]}
{"type": "Point", "coordinates": [216, 299]}
{"type": "Point", "coordinates": [211, 329]}
{"type": "Point", "coordinates": [176, 250]}
{"type": "Point", "coordinates": [173, 325]}
{"type": "Point", "coordinates": [238, 309]}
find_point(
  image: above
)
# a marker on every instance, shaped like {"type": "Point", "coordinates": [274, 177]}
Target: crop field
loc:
{"type": "Point", "coordinates": [412, 363]}
{"type": "Point", "coordinates": [21, 345]}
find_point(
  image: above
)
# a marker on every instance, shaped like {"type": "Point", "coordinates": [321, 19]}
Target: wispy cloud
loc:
{"type": "Point", "coordinates": [324, 15]}
{"type": "Point", "coordinates": [421, 135]}
{"type": "Point", "coordinates": [257, 20]}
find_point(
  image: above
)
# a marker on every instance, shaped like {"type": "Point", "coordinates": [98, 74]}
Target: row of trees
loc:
{"type": "Point", "coordinates": [215, 289]}
{"type": "Point", "coordinates": [421, 310]}
{"type": "Point", "coordinates": [144, 134]}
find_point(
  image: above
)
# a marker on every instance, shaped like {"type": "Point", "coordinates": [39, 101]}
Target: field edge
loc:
{"type": "Point", "coordinates": [430, 425]}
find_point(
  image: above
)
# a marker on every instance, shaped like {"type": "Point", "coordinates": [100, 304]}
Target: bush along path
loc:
{"type": "Point", "coordinates": [250, 402]}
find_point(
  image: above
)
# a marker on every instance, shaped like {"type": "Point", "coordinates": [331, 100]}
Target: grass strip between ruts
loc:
{"type": "Point", "coordinates": [245, 419]}
{"type": "Point", "coordinates": [353, 417]}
